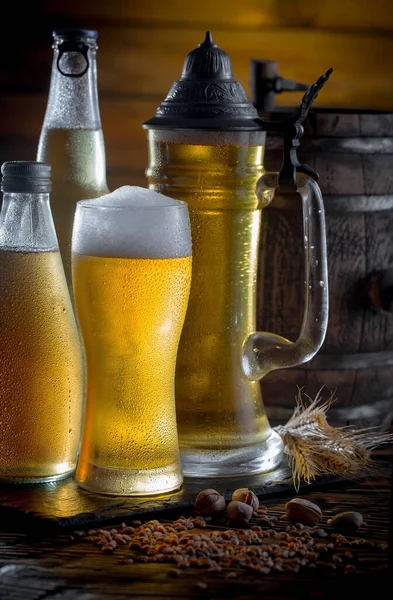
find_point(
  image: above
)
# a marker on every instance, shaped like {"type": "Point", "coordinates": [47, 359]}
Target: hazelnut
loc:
{"type": "Point", "coordinates": [239, 511]}
{"type": "Point", "coordinates": [299, 510]}
{"type": "Point", "coordinates": [346, 522]}
{"type": "Point", "coordinates": [210, 502]}
{"type": "Point", "coordinates": [247, 496]}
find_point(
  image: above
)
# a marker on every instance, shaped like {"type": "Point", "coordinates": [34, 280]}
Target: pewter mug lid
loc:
{"type": "Point", "coordinates": [206, 96]}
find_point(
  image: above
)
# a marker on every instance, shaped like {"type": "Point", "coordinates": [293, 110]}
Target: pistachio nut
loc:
{"type": "Point", "coordinates": [239, 511]}
{"type": "Point", "coordinates": [247, 496]}
{"type": "Point", "coordinates": [346, 522]}
{"type": "Point", "coordinates": [210, 502]}
{"type": "Point", "coordinates": [300, 510]}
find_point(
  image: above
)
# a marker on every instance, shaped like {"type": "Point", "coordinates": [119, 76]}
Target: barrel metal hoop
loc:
{"type": "Point", "coordinates": [380, 409]}
{"type": "Point", "coordinates": [342, 204]}
{"type": "Point", "coordinates": [344, 362]}
{"type": "Point", "coordinates": [343, 145]}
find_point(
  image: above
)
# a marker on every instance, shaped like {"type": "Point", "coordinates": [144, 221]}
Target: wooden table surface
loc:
{"type": "Point", "coordinates": [34, 566]}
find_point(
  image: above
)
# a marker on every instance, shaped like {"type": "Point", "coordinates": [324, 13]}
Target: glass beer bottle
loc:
{"type": "Point", "coordinates": [71, 139]}
{"type": "Point", "coordinates": [41, 361]}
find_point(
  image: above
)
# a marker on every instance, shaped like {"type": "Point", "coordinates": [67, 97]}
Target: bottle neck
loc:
{"type": "Point", "coordinates": [71, 138]}
{"type": "Point", "coordinates": [26, 223]}
{"type": "Point", "coordinates": [73, 95]}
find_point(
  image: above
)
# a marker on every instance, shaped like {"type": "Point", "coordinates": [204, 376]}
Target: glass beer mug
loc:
{"type": "Point", "coordinates": [206, 147]}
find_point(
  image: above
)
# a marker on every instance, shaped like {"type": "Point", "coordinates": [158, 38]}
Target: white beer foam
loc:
{"type": "Point", "coordinates": [132, 222]}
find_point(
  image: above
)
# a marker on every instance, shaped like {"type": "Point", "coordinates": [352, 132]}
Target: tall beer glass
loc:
{"type": "Point", "coordinates": [131, 268]}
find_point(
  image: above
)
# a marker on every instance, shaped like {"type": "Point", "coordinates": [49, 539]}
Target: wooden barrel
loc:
{"type": "Point", "coordinates": [353, 154]}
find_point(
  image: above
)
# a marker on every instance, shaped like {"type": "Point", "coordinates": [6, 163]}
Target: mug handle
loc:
{"type": "Point", "coordinates": [262, 351]}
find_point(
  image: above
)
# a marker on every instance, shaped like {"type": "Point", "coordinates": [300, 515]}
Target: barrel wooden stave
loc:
{"type": "Point", "coordinates": [353, 153]}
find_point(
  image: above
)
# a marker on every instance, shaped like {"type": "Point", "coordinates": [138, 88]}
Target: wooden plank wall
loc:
{"type": "Point", "coordinates": [143, 43]}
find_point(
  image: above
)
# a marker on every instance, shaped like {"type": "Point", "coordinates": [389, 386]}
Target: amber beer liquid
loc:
{"type": "Point", "coordinates": [217, 406]}
{"type": "Point", "coordinates": [140, 335]}
{"type": "Point", "coordinates": [131, 288]}
{"type": "Point", "coordinates": [41, 368]}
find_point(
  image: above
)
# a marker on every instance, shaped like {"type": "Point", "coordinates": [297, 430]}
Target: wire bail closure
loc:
{"type": "Point", "coordinates": [73, 47]}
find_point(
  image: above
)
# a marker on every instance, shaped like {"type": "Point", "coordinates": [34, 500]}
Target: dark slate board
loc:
{"type": "Point", "coordinates": [64, 505]}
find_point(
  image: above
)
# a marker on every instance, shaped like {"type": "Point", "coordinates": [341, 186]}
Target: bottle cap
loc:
{"type": "Point", "coordinates": [26, 176]}
{"type": "Point", "coordinates": [74, 40]}
{"type": "Point", "coordinates": [72, 35]}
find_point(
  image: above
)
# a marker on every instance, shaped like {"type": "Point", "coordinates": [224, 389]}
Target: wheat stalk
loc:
{"type": "Point", "coordinates": [315, 448]}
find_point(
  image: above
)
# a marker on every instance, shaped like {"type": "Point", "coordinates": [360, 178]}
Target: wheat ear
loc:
{"type": "Point", "coordinates": [315, 448]}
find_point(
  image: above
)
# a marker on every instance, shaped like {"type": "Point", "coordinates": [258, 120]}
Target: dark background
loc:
{"type": "Point", "coordinates": [142, 46]}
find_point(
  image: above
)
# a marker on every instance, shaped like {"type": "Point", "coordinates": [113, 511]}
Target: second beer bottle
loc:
{"type": "Point", "coordinates": [71, 139]}
{"type": "Point", "coordinates": [41, 361]}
